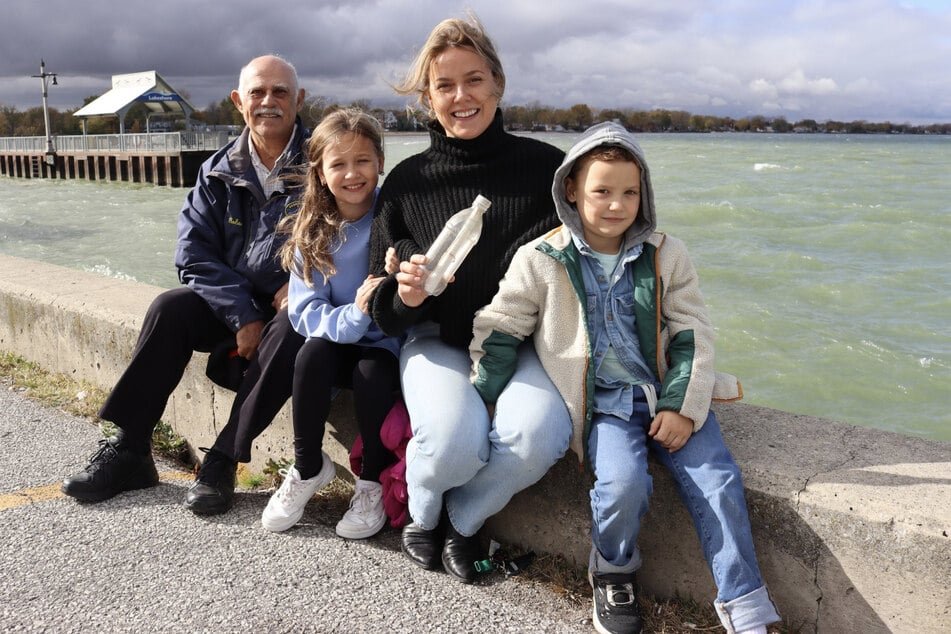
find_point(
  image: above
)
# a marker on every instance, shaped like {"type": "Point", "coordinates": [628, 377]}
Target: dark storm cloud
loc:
{"type": "Point", "coordinates": [850, 59]}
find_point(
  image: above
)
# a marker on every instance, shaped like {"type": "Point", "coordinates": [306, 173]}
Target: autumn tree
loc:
{"type": "Point", "coordinates": [779, 124]}
{"type": "Point", "coordinates": [580, 117]}
{"type": "Point", "coordinates": [698, 123]}
{"type": "Point", "coordinates": [7, 118]}
{"type": "Point", "coordinates": [516, 118]}
{"type": "Point", "coordinates": [808, 125]}
{"type": "Point", "coordinates": [221, 112]}
{"type": "Point", "coordinates": [611, 115]}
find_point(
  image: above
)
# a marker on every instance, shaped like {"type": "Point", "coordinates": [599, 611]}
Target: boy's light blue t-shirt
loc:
{"type": "Point", "coordinates": [611, 367]}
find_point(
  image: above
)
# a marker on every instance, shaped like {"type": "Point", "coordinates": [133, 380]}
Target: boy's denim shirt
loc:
{"type": "Point", "coordinates": [610, 314]}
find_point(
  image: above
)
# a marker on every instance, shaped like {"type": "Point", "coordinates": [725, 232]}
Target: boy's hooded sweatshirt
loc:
{"type": "Point", "coordinates": [542, 295]}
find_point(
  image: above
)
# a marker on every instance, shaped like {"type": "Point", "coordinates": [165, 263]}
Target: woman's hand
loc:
{"type": "Point", "coordinates": [365, 292]}
{"type": "Point", "coordinates": [411, 277]}
{"type": "Point", "coordinates": [392, 263]}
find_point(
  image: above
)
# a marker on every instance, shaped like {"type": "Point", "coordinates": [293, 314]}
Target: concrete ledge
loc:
{"type": "Point", "coordinates": [851, 524]}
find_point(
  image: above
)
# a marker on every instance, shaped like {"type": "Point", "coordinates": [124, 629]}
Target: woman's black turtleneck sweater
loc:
{"type": "Point", "coordinates": [423, 191]}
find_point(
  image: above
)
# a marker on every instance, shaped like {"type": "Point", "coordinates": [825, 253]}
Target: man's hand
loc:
{"type": "Point", "coordinates": [280, 298]}
{"type": "Point", "coordinates": [249, 338]}
{"type": "Point", "coordinates": [411, 277]}
{"type": "Point", "coordinates": [671, 430]}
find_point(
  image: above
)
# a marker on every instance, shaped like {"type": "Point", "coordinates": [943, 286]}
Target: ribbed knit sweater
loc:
{"type": "Point", "coordinates": [423, 191]}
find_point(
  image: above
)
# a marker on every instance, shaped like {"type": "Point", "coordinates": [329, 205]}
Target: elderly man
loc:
{"type": "Point", "coordinates": [234, 299]}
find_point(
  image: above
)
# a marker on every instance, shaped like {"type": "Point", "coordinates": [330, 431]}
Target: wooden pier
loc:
{"type": "Point", "coordinates": [174, 170]}
{"type": "Point", "coordinates": [169, 159]}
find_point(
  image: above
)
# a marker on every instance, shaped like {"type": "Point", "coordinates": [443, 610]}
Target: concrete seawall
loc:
{"type": "Point", "coordinates": [851, 524]}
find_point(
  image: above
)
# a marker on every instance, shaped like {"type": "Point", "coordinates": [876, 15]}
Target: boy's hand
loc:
{"type": "Point", "coordinates": [411, 277]}
{"type": "Point", "coordinates": [671, 430]}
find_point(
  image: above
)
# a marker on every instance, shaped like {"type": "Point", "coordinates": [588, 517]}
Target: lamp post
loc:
{"type": "Point", "coordinates": [45, 78]}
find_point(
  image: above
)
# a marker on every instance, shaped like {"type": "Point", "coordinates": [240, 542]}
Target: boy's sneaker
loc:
{"type": "Point", "coordinates": [111, 470]}
{"type": "Point", "coordinates": [615, 603]}
{"type": "Point", "coordinates": [366, 515]}
{"type": "Point", "coordinates": [286, 506]}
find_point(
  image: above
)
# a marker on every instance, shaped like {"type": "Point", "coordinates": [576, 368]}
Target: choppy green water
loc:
{"type": "Point", "coordinates": [824, 259]}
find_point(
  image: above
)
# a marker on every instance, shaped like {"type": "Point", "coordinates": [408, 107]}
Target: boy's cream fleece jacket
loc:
{"type": "Point", "coordinates": [537, 298]}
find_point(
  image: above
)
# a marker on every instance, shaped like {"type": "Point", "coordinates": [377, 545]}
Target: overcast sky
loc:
{"type": "Point", "coordinates": [876, 60]}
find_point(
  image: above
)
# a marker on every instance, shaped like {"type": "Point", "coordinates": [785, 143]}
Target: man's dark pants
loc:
{"type": "Point", "coordinates": [178, 323]}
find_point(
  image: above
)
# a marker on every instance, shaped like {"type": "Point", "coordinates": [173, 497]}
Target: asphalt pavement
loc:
{"type": "Point", "coordinates": [141, 562]}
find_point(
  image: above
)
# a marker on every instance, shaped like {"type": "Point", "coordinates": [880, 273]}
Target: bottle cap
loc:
{"type": "Point", "coordinates": [482, 203]}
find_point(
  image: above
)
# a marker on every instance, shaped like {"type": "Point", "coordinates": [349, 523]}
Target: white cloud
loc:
{"type": "Point", "coordinates": [762, 88]}
{"type": "Point", "coordinates": [798, 83]}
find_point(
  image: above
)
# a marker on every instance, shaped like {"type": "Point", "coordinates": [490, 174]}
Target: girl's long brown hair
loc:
{"type": "Point", "coordinates": [316, 230]}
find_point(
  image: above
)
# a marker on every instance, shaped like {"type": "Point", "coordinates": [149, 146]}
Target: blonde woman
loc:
{"type": "Point", "coordinates": [463, 465]}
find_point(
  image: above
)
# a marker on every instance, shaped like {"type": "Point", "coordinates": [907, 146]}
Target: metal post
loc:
{"type": "Point", "coordinates": [44, 78]}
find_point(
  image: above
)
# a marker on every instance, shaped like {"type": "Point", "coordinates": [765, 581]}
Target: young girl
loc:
{"type": "Point", "coordinates": [327, 254]}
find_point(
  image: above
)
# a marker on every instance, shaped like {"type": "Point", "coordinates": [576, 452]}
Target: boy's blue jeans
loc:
{"type": "Point", "coordinates": [457, 456]}
{"type": "Point", "coordinates": [709, 483]}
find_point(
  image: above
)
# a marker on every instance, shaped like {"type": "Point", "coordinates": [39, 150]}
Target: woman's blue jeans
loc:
{"type": "Point", "coordinates": [709, 483]}
{"type": "Point", "coordinates": [460, 459]}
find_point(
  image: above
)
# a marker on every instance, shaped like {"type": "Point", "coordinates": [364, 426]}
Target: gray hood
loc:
{"type": "Point", "coordinates": [608, 133]}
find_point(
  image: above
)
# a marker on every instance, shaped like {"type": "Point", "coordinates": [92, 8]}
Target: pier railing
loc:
{"type": "Point", "coordinates": [133, 143]}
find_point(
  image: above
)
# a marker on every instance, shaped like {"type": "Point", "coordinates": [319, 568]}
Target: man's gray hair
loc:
{"type": "Point", "coordinates": [243, 73]}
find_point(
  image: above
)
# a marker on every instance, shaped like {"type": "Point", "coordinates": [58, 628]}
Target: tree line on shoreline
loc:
{"type": "Point", "coordinates": [531, 117]}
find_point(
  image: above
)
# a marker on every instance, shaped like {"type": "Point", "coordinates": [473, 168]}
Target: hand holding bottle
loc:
{"type": "Point", "coordinates": [429, 274]}
{"type": "Point", "coordinates": [446, 253]}
{"type": "Point", "coordinates": [411, 278]}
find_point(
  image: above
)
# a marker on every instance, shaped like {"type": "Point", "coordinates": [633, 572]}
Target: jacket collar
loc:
{"type": "Point", "coordinates": [239, 157]}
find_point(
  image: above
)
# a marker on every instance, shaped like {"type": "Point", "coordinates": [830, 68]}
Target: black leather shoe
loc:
{"type": "Point", "coordinates": [422, 546]}
{"type": "Point", "coordinates": [111, 470]}
{"type": "Point", "coordinates": [459, 555]}
{"type": "Point", "coordinates": [213, 490]}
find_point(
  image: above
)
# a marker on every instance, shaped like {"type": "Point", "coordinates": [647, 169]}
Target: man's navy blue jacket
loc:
{"type": "Point", "coordinates": [226, 239]}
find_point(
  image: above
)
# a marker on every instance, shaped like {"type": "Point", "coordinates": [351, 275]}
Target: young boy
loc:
{"type": "Point", "coordinates": [621, 328]}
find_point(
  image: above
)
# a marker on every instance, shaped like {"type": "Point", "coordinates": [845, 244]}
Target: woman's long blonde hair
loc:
{"type": "Point", "coordinates": [450, 33]}
{"type": "Point", "coordinates": [316, 230]}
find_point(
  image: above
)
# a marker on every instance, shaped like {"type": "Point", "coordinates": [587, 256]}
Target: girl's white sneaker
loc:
{"type": "Point", "coordinates": [366, 515]}
{"type": "Point", "coordinates": [286, 506]}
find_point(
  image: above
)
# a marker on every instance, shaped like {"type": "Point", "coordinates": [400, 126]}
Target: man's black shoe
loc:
{"type": "Point", "coordinates": [213, 490]}
{"type": "Point", "coordinates": [422, 546]}
{"type": "Point", "coordinates": [460, 554]}
{"type": "Point", "coordinates": [615, 603]}
{"type": "Point", "coordinates": [111, 470]}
